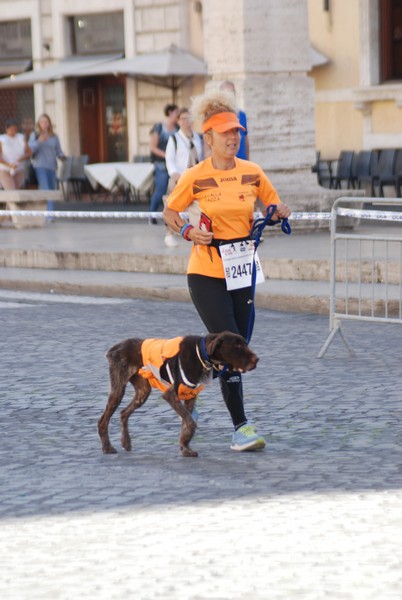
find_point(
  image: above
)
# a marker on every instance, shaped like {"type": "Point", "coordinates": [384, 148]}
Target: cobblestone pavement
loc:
{"type": "Point", "coordinates": [316, 515]}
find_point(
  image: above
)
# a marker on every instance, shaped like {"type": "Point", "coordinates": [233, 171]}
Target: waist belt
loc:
{"type": "Point", "coordinates": [217, 243]}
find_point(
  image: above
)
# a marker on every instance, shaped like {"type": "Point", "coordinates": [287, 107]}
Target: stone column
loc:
{"type": "Point", "coordinates": [263, 47]}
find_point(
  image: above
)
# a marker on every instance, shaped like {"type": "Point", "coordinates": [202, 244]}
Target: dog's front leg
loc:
{"type": "Point", "coordinates": [114, 399]}
{"type": "Point", "coordinates": [188, 425]}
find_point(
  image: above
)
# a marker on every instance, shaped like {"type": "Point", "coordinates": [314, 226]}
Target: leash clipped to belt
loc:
{"type": "Point", "coordinates": [255, 234]}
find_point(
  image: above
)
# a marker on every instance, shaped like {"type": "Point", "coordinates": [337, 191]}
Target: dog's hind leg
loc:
{"type": "Point", "coordinates": [188, 425]}
{"type": "Point", "coordinates": [142, 390]}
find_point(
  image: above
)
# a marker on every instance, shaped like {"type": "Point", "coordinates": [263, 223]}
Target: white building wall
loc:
{"type": "Point", "coordinates": [270, 75]}
{"type": "Point", "coordinates": [262, 45]}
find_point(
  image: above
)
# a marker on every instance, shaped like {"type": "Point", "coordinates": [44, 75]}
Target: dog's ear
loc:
{"type": "Point", "coordinates": [212, 343]}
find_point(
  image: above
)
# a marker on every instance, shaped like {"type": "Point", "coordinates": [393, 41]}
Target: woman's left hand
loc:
{"type": "Point", "coordinates": [283, 211]}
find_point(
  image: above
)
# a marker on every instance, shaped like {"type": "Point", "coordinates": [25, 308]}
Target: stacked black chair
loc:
{"type": "Point", "coordinates": [323, 170]}
{"type": "Point", "coordinates": [386, 170]}
{"type": "Point", "coordinates": [365, 169]}
{"type": "Point", "coordinates": [343, 170]}
{"type": "Point", "coordinates": [398, 174]}
{"type": "Point", "coordinates": [78, 178]}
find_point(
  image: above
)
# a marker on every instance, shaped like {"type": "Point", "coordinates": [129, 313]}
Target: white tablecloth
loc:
{"type": "Point", "coordinates": [111, 175]}
{"type": "Point", "coordinates": [138, 176]}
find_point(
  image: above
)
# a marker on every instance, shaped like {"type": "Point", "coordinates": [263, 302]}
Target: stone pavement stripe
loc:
{"type": "Point", "coordinates": [309, 546]}
{"type": "Point", "coordinates": [317, 515]}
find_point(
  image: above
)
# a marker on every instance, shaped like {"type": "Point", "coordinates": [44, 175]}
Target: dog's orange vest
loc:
{"type": "Point", "coordinates": [163, 355]}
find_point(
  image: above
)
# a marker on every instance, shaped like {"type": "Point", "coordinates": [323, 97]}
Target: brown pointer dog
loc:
{"type": "Point", "coordinates": [195, 359]}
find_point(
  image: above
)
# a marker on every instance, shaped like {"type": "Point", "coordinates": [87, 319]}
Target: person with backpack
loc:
{"type": "Point", "coordinates": [184, 150]}
{"type": "Point", "coordinates": [159, 136]}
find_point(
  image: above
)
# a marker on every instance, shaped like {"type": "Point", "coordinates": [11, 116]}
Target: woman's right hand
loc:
{"type": "Point", "coordinates": [198, 236]}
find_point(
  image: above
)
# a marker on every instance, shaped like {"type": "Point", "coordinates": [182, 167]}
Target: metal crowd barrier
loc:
{"type": "Point", "coordinates": [365, 265]}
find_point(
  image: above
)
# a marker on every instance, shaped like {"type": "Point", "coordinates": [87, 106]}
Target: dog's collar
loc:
{"type": "Point", "coordinates": [203, 355]}
{"type": "Point", "coordinates": [206, 361]}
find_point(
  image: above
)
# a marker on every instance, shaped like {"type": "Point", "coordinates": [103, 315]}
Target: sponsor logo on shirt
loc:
{"type": "Point", "coordinates": [211, 196]}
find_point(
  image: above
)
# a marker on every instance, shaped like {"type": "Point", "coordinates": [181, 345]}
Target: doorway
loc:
{"type": "Point", "coordinates": [103, 118]}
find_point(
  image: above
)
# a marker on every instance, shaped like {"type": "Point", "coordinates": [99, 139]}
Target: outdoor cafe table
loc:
{"type": "Point", "coordinates": [137, 176]}
{"type": "Point", "coordinates": [116, 175]}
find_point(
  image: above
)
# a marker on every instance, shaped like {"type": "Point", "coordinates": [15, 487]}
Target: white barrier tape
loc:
{"type": "Point", "coordinates": [310, 216]}
{"type": "Point", "coordinates": [296, 216]}
{"type": "Point", "coordinates": [80, 214]}
{"type": "Point", "coordinates": [83, 214]}
{"type": "Point", "coordinates": [376, 215]}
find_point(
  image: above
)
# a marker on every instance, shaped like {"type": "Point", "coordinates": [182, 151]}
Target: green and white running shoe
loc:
{"type": "Point", "coordinates": [246, 438]}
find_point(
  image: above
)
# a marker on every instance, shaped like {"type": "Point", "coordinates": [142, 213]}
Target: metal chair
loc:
{"type": "Point", "coordinates": [343, 170]}
{"type": "Point", "coordinates": [78, 178]}
{"type": "Point", "coordinates": [365, 169]}
{"type": "Point", "coordinates": [398, 173]}
{"type": "Point", "coordinates": [64, 175]}
{"type": "Point", "coordinates": [141, 158]}
{"type": "Point", "coordinates": [323, 170]}
{"type": "Point", "coordinates": [386, 170]}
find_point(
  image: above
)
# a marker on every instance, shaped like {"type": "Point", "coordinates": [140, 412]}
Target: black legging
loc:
{"type": "Point", "coordinates": [221, 310]}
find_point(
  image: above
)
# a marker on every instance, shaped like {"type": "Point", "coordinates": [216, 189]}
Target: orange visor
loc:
{"type": "Point", "coordinates": [222, 122]}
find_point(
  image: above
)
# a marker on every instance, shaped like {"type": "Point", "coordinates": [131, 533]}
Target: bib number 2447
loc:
{"type": "Point", "coordinates": [238, 259]}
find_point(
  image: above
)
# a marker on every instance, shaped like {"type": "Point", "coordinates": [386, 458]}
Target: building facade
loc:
{"type": "Point", "coordinates": [358, 92]}
{"type": "Point", "coordinates": [350, 98]}
{"type": "Point", "coordinates": [105, 116]}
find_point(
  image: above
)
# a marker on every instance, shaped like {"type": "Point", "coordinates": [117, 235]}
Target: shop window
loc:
{"type": "Point", "coordinates": [97, 33]}
{"type": "Point", "coordinates": [15, 39]}
{"type": "Point", "coordinates": [19, 104]}
{"type": "Point", "coordinates": [391, 39]}
{"type": "Point", "coordinates": [15, 55]}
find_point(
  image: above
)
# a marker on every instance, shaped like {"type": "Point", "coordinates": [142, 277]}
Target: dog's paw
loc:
{"type": "Point", "coordinates": [126, 443]}
{"type": "Point", "coordinates": [186, 451]}
{"type": "Point", "coordinates": [109, 450]}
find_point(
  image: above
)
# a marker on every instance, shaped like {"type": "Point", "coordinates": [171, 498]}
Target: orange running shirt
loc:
{"type": "Point", "coordinates": [227, 198]}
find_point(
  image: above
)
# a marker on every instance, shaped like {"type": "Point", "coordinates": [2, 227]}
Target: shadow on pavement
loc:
{"type": "Point", "coordinates": [332, 425]}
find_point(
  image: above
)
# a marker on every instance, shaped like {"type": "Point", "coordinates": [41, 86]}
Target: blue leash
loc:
{"type": "Point", "coordinates": [255, 234]}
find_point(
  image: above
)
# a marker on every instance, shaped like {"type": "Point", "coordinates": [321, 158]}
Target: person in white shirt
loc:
{"type": "Point", "coordinates": [14, 151]}
{"type": "Point", "coordinates": [184, 149]}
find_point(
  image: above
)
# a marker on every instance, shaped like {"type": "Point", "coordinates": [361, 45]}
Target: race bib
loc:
{"type": "Point", "coordinates": [238, 258]}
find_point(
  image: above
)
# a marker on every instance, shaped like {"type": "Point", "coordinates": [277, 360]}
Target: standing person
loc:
{"type": "Point", "coordinates": [184, 150]}
{"type": "Point", "coordinates": [46, 149]}
{"type": "Point", "coordinates": [219, 195]}
{"type": "Point", "coordinates": [159, 136]}
{"type": "Point", "coordinates": [14, 151]}
{"type": "Point", "coordinates": [244, 148]}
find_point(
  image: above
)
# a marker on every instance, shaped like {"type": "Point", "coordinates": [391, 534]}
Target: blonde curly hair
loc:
{"type": "Point", "coordinates": [212, 103]}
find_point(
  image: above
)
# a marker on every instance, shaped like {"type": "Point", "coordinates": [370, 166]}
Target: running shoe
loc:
{"type": "Point", "coordinates": [246, 438]}
{"type": "Point", "coordinates": [170, 240]}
